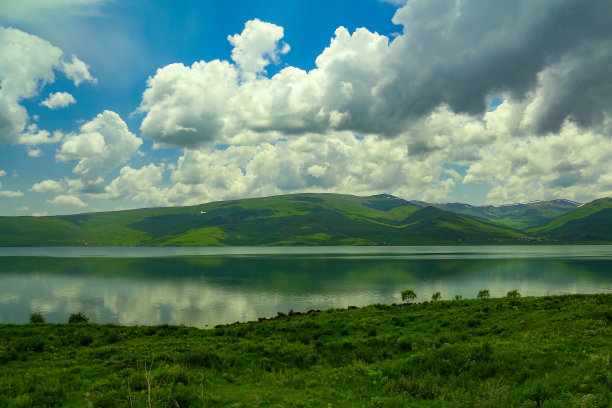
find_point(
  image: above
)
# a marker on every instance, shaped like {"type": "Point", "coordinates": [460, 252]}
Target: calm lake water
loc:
{"type": "Point", "coordinates": [208, 286]}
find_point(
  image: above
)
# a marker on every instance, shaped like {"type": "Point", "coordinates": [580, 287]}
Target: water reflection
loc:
{"type": "Point", "coordinates": [207, 290]}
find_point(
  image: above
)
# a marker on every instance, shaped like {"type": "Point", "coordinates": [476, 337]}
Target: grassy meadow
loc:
{"type": "Point", "coordinates": [506, 352]}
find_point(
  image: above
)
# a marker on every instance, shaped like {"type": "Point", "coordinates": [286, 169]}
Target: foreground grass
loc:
{"type": "Point", "coordinates": [526, 352]}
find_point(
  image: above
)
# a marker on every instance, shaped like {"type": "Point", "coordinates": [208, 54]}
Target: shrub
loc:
{"type": "Point", "coordinates": [483, 294]}
{"type": "Point", "coordinates": [36, 344]}
{"type": "Point", "coordinates": [85, 339]}
{"type": "Point", "coordinates": [37, 318]}
{"type": "Point", "coordinates": [408, 295]}
{"type": "Point", "coordinates": [436, 296]}
{"type": "Point", "coordinates": [513, 294]}
{"type": "Point", "coordinates": [78, 318]}
{"type": "Point", "coordinates": [458, 297]}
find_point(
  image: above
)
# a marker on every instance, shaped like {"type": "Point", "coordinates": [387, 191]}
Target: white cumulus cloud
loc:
{"type": "Point", "coordinates": [33, 152]}
{"type": "Point", "coordinates": [77, 71]}
{"type": "Point", "coordinates": [100, 146]}
{"type": "Point", "coordinates": [47, 186]}
{"type": "Point", "coordinates": [9, 193]}
{"type": "Point", "coordinates": [138, 185]}
{"type": "Point", "coordinates": [451, 53]}
{"type": "Point", "coordinates": [27, 63]}
{"type": "Point", "coordinates": [420, 102]}
{"type": "Point", "coordinates": [58, 100]}
{"type": "Point", "coordinates": [66, 199]}
{"type": "Point", "coordinates": [257, 46]}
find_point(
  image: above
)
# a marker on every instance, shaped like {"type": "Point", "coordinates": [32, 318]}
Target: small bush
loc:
{"type": "Point", "coordinates": [408, 295]}
{"type": "Point", "coordinates": [458, 297]}
{"type": "Point", "coordinates": [404, 343]}
{"type": "Point", "coordinates": [112, 338]}
{"type": "Point", "coordinates": [85, 340]}
{"type": "Point", "coordinates": [483, 294]}
{"type": "Point", "coordinates": [37, 318]}
{"type": "Point", "coordinates": [78, 318]}
{"type": "Point", "coordinates": [472, 322]}
{"type": "Point", "coordinates": [36, 344]}
{"type": "Point", "coordinates": [513, 294]}
{"type": "Point", "coordinates": [436, 296]}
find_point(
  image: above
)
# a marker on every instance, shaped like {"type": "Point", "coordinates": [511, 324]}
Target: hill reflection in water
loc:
{"type": "Point", "coordinates": [205, 290]}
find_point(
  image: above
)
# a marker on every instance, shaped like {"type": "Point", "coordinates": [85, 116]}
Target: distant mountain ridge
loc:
{"type": "Point", "coordinates": [520, 215]}
{"type": "Point", "coordinates": [320, 219]}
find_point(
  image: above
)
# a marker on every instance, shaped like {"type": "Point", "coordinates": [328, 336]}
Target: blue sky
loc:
{"type": "Point", "coordinates": [159, 103]}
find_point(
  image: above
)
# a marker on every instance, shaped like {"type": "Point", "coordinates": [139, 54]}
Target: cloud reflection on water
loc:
{"type": "Point", "coordinates": [199, 291]}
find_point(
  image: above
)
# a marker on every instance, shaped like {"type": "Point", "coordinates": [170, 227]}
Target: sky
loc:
{"type": "Point", "coordinates": [115, 104]}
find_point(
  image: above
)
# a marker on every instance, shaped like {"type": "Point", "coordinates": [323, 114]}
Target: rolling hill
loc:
{"type": "Point", "coordinates": [591, 222]}
{"type": "Point", "coordinates": [319, 219]}
{"type": "Point", "coordinates": [519, 216]}
{"type": "Point", "coordinates": [297, 219]}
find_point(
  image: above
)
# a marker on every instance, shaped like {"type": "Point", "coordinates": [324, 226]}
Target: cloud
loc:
{"type": "Point", "coordinates": [34, 152]}
{"type": "Point", "coordinates": [453, 54]}
{"type": "Point", "coordinates": [257, 46]}
{"type": "Point", "coordinates": [33, 136]}
{"type": "Point", "coordinates": [77, 71]}
{"type": "Point", "coordinates": [32, 10]}
{"type": "Point", "coordinates": [573, 164]}
{"type": "Point", "coordinates": [185, 105]}
{"type": "Point", "coordinates": [337, 162]}
{"type": "Point", "coordinates": [420, 163]}
{"type": "Point", "coordinates": [28, 63]}
{"type": "Point", "coordinates": [9, 193]}
{"type": "Point", "coordinates": [138, 185]}
{"type": "Point", "coordinates": [70, 200]}
{"type": "Point", "coordinates": [58, 100]}
{"type": "Point", "coordinates": [100, 146]}
{"type": "Point", "coordinates": [189, 106]}
{"type": "Point", "coordinates": [473, 51]}
{"type": "Point", "coordinates": [47, 186]}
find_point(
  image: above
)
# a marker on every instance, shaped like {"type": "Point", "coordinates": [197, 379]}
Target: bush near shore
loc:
{"type": "Point", "coordinates": [507, 352]}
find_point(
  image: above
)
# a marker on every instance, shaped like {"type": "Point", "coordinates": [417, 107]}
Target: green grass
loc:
{"type": "Point", "coordinates": [510, 352]}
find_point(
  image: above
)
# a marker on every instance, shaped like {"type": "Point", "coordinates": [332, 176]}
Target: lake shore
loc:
{"type": "Point", "coordinates": [531, 351]}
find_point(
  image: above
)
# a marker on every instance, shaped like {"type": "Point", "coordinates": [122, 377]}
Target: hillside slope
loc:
{"type": "Point", "coordinates": [297, 219]}
{"type": "Point", "coordinates": [591, 222]}
{"type": "Point", "coordinates": [518, 216]}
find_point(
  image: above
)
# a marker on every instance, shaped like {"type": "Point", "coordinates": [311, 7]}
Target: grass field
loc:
{"type": "Point", "coordinates": [507, 352]}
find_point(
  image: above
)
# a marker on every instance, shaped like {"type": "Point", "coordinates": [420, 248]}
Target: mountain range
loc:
{"type": "Point", "coordinates": [320, 219]}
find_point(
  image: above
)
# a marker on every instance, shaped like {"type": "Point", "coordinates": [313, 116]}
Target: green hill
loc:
{"type": "Point", "coordinates": [518, 216]}
{"type": "Point", "coordinates": [591, 222]}
{"type": "Point", "coordinates": [297, 219]}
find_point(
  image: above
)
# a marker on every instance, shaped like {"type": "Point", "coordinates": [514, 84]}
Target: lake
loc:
{"type": "Point", "coordinates": [212, 285]}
